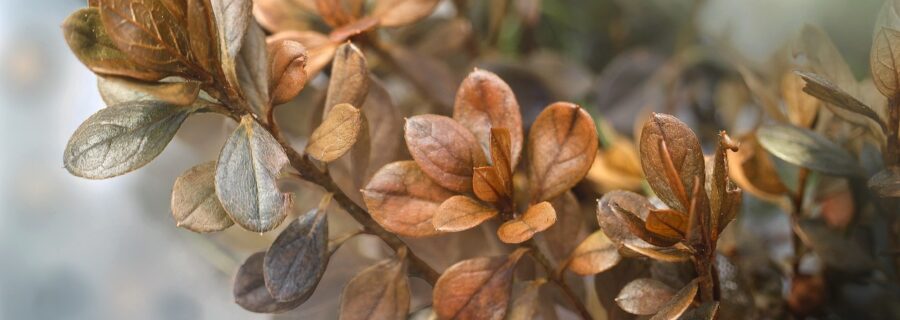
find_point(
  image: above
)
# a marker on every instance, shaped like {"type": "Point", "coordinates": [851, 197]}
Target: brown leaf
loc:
{"type": "Point", "coordinates": [202, 31]}
{"type": "Point", "coordinates": [570, 227]}
{"type": "Point", "coordinates": [537, 218]}
{"type": "Point", "coordinates": [194, 202]}
{"type": "Point", "coordinates": [116, 90]}
{"type": "Point", "coordinates": [287, 73]}
{"type": "Point", "coordinates": [403, 200]}
{"type": "Point", "coordinates": [887, 182]}
{"type": "Point", "coordinates": [562, 145]}
{"type": "Point", "coordinates": [351, 29]}
{"type": "Point", "coordinates": [753, 170]}
{"type": "Point", "coordinates": [444, 150]}
{"type": "Point", "coordinates": [614, 227]}
{"type": "Point", "coordinates": [333, 12]}
{"type": "Point", "coordinates": [337, 133]}
{"type": "Point", "coordinates": [667, 254]}
{"type": "Point", "coordinates": [252, 70]}
{"type": "Point", "coordinates": [671, 158]}
{"type": "Point", "coordinates": [297, 259]}
{"type": "Point", "coordinates": [525, 302]}
{"type": "Point", "coordinates": [501, 146]}
{"type": "Point", "coordinates": [801, 108]}
{"type": "Point", "coordinates": [724, 196]}
{"type": "Point", "coordinates": [477, 288]}
{"type": "Point", "coordinates": [644, 296]}
{"type": "Point", "coordinates": [431, 75]}
{"type": "Point", "coordinates": [250, 289]}
{"type": "Point", "coordinates": [594, 255]}
{"type": "Point", "coordinates": [483, 102]}
{"type": "Point", "coordinates": [487, 184]}
{"type": "Point", "coordinates": [679, 303]}
{"type": "Point", "coordinates": [378, 292]}
{"type": "Point", "coordinates": [319, 48]}
{"type": "Point", "coordinates": [395, 13]}
{"type": "Point", "coordinates": [884, 59]}
{"type": "Point", "coordinates": [840, 102]}
{"type": "Point", "coordinates": [669, 224]}
{"type": "Point", "coordinates": [349, 78]}
{"type": "Point", "coordinates": [89, 41]}
{"type": "Point", "coordinates": [460, 213]}
{"type": "Point", "coordinates": [385, 126]}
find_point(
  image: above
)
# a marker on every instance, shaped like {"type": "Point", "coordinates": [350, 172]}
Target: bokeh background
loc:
{"type": "Point", "coordinates": [72, 248]}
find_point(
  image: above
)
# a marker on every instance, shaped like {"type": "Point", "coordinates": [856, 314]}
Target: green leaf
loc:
{"type": "Point", "coordinates": [297, 259]}
{"type": "Point", "coordinates": [808, 149]}
{"type": "Point", "coordinates": [89, 41]}
{"type": "Point", "coordinates": [122, 138]}
{"type": "Point", "coordinates": [246, 176]}
{"type": "Point", "coordinates": [194, 202]}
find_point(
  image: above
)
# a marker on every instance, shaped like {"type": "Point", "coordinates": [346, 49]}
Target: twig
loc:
{"type": "Point", "coordinates": [557, 278]}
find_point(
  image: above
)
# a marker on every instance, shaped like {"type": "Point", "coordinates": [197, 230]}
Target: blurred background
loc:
{"type": "Point", "coordinates": [73, 248]}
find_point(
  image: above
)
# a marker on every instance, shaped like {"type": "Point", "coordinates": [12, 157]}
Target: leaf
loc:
{"type": "Point", "coordinates": [884, 59]}
{"type": "Point", "coordinates": [487, 184]}
{"type": "Point", "coordinates": [477, 288]}
{"type": "Point", "coordinates": [570, 227]}
{"type": "Point", "coordinates": [614, 227]}
{"type": "Point", "coordinates": [444, 150]}
{"type": "Point", "coordinates": [349, 78]}
{"type": "Point", "coordinates": [337, 133]}
{"type": "Point", "coordinates": [537, 218]}
{"type": "Point", "coordinates": [360, 26]}
{"type": "Point", "coordinates": [233, 18]}
{"type": "Point", "coordinates": [122, 138]}
{"type": "Point", "coordinates": [432, 76]}
{"type": "Point", "coordinates": [807, 149]}
{"type": "Point", "coordinates": [194, 202]}
{"type": "Point", "coordinates": [525, 303]}
{"type": "Point", "coordinates": [395, 13]}
{"type": "Point", "coordinates": [385, 126]}
{"type": "Point", "coordinates": [252, 69]}
{"type": "Point", "coordinates": [378, 292]}
{"type": "Point", "coordinates": [644, 296]}
{"type": "Point", "coordinates": [319, 48]}
{"type": "Point", "coordinates": [202, 31]}
{"type": "Point", "coordinates": [296, 261]}
{"type": "Point", "coordinates": [886, 183]}
{"type": "Point", "coordinates": [117, 90]}
{"type": "Point", "coordinates": [89, 42]}
{"type": "Point", "coordinates": [250, 288]}
{"type": "Point", "coordinates": [403, 200]}
{"type": "Point", "coordinates": [562, 145]}
{"type": "Point", "coordinates": [460, 213]}
{"type": "Point", "coordinates": [485, 102]}
{"type": "Point", "coordinates": [667, 254]}
{"type": "Point", "coordinates": [801, 108]}
{"type": "Point", "coordinates": [724, 196]}
{"type": "Point", "coordinates": [501, 149]}
{"type": "Point", "coordinates": [753, 170]}
{"type": "Point", "coordinates": [671, 158]}
{"type": "Point", "coordinates": [679, 303]}
{"type": "Point", "coordinates": [840, 102]}
{"type": "Point", "coordinates": [667, 223]}
{"type": "Point", "coordinates": [246, 176]}
{"type": "Point", "coordinates": [594, 255]}
{"type": "Point", "coordinates": [287, 74]}
{"type": "Point", "coordinates": [706, 311]}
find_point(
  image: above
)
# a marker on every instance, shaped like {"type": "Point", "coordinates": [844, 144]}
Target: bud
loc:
{"type": "Point", "coordinates": [287, 60]}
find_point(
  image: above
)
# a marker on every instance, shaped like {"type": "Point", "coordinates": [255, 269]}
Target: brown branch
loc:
{"type": "Point", "coordinates": [557, 278]}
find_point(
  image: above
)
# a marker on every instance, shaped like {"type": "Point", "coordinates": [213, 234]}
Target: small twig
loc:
{"type": "Point", "coordinates": [796, 214]}
{"type": "Point", "coordinates": [557, 278]}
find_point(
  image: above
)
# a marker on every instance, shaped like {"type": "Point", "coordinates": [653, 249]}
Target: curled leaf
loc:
{"type": "Point", "coordinates": [337, 133]}
{"type": "Point", "coordinates": [839, 101]}
{"type": "Point", "coordinates": [395, 13]}
{"type": "Point", "coordinates": [477, 288]}
{"type": "Point", "coordinates": [403, 200]}
{"type": "Point", "coordinates": [753, 170]}
{"type": "Point", "coordinates": [92, 45]}
{"type": "Point", "coordinates": [149, 34]}
{"type": "Point", "coordinates": [485, 102]}
{"type": "Point", "coordinates": [444, 150]}
{"type": "Point", "coordinates": [807, 149]}
{"type": "Point", "coordinates": [117, 90]}
{"type": "Point", "coordinates": [349, 78]}
{"type": "Point", "coordinates": [378, 292]}
{"type": "Point", "coordinates": [287, 73]}
{"type": "Point", "coordinates": [194, 202]}
{"type": "Point", "coordinates": [679, 303]}
{"type": "Point", "coordinates": [250, 289]}
{"type": "Point", "coordinates": [644, 296]}
{"type": "Point", "coordinates": [537, 218]}
{"type": "Point", "coordinates": [671, 158]}
{"type": "Point", "coordinates": [667, 223]}
{"type": "Point", "coordinates": [319, 48]}
{"type": "Point", "coordinates": [562, 145]}
{"type": "Point", "coordinates": [296, 261]}
{"type": "Point", "coordinates": [460, 213]}
{"type": "Point", "coordinates": [594, 255]}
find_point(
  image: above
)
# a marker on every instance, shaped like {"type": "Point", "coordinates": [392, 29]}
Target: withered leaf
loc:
{"type": "Point", "coordinates": [246, 178]}
{"type": "Point", "coordinates": [801, 108]}
{"type": "Point", "coordinates": [753, 170]}
{"type": "Point", "coordinates": [403, 200]}
{"type": "Point", "coordinates": [320, 49]}
{"type": "Point", "coordinates": [483, 102]}
{"type": "Point", "coordinates": [201, 28]}
{"type": "Point", "coordinates": [667, 223]}
{"type": "Point", "coordinates": [562, 145]}
{"type": "Point", "coordinates": [444, 150]}
{"type": "Point", "coordinates": [395, 13]}
{"type": "Point", "coordinates": [614, 228]}
{"type": "Point", "coordinates": [570, 227]}
{"type": "Point", "coordinates": [333, 12]}
{"type": "Point", "coordinates": [296, 261]}
{"type": "Point", "coordinates": [644, 296]}
{"type": "Point", "coordinates": [349, 78]}
{"type": "Point", "coordinates": [378, 292]}
{"type": "Point", "coordinates": [525, 301]}
{"type": "Point", "coordinates": [807, 149]}
{"type": "Point", "coordinates": [337, 133]}
{"type": "Point", "coordinates": [679, 303]}
{"type": "Point", "coordinates": [839, 101]}
{"type": "Point", "coordinates": [89, 42]}
{"type": "Point", "coordinates": [594, 255]}
{"type": "Point", "coordinates": [671, 158]}
{"type": "Point", "coordinates": [385, 126]}
{"type": "Point", "coordinates": [149, 34]}
{"type": "Point", "coordinates": [501, 150]}
{"type": "Point", "coordinates": [883, 60]}
{"type": "Point", "coordinates": [252, 69]}
{"type": "Point", "coordinates": [287, 73]}
{"type": "Point", "coordinates": [117, 90]}
{"type": "Point", "coordinates": [122, 138]}
{"type": "Point", "coordinates": [887, 182]}
{"type": "Point", "coordinates": [431, 75]}
{"type": "Point", "coordinates": [477, 288]}
{"type": "Point", "coordinates": [706, 311]}
{"type": "Point", "coordinates": [194, 202]}
{"type": "Point", "coordinates": [536, 218]}
{"type": "Point", "coordinates": [346, 31]}
{"type": "Point", "coordinates": [667, 254]}
{"type": "Point", "coordinates": [724, 196]}
{"type": "Point", "coordinates": [233, 18]}
{"type": "Point", "coordinates": [250, 290]}
{"type": "Point", "coordinates": [460, 213]}
{"type": "Point", "coordinates": [487, 184]}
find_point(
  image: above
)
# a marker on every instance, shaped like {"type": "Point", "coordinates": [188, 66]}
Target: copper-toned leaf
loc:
{"type": "Point", "coordinates": [679, 303]}
{"type": "Point", "coordinates": [801, 108]}
{"type": "Point", "coordinates": [320, 49]}
{"type": "Point", "coordinates": [537, 218]}
{"type": "Point", "coordinates": [359, 26]}
{"type": "Point", "coordinates": [460, 213]}
{"type": "Point", "coordinates": [250, 288]}
{"type": "Point", "coordinates": [887, 182]}
{"type": "Point", "coordinates": [287, 76]}
{"type": "Point", "coordinates": [393, 13]}
{"type": "Point", "coordinates": [753, 170]}
{"type": "Point", "coordinates": [614, 227]}
{"type": "Point", "coordinates": [149, 34]}
{"type": "Point", "coordinates": [200, 22]}
{"type": "Point", "coordinates": [667, 254]}
{"type": "Point", "coordinates": [194, 202]}
{"type": "Point", "coordinates": [233, 18]}
{"type": "Point", "coordinates": [644, 296]}
{"type": "Point", "coordinates": [671, 158]}
{"type": "Point", "coordinates": [403, 200]}
{"type": "Point", "coordinates": [122, 138]}
{"type": "Point", "coordinates": [385, 126]}
{"type": "Point", "coordinates": [246, 178]}
{"type": "Point", "coordinates": [333, 12]}
{"type": "Point", "coordinates": [501, 148]}
{"type": "Point", "coordinates": [840, 102]}
{"type": "Point", "coordinates": [296, 261]}
{"type": "Point", "coordinates": [89, 41]}
{"type": "Point", "coordinates": [594, 255]}
{"type": "Point", "coordinates": [808, 149]}
{"type": "Point", "coordinates": [349, 78]}
{"type": "Point", "coordinates": [487, 184]}
{"type": "Point", "coordinates": [570, 228]}
{"type": "Point", "coordinates": [116, 90]}
{"type": "Point", "coordinates": [883, 60]}
{"type": "Point", "coordinates": [724, 196]}
{"type": "Point", "coordinates": [484, 102]}
{"type": "Point", "coordinates": [525, 301]}
{"type": "Point", "coordinates": [444, 150]}
{"type": "Point", "coordinates": [562, 145]}
{"type": "Point", "coordinates": [337, 133]}
{"type": "Point", "coordinates": [378, 292]}
{"type": "Point", "coordinates": [667, 223]}
{"type": "Point", "coordinates": [432, 76]}
{"type": "Point", "coordinates": [476, 288]}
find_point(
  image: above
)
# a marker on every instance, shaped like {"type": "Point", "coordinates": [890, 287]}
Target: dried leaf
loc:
{"type": "Point", "coordinates": [562, 145]}
{"type": "Point", "coordinates": [149, 34]}
{"type": "Point", "coordinates": [201, 28]}
{"type": "Point", "coordinates": [337, 133]}
{"type": "Point", "coordinates": [537, 218]}
{"type": "Point", "coordinates": [357, 27]}
{"type": "Point", "coordinates": [706, 311]}
{"type": "Point", "coordinates": [883, 60]}
{"type": "Point", "coordinates": [116, 90]}
{"type": "Point", "coordinates": [594, 255]}
{"type": "Point", "coordinates": [250, 289]}
{"type": "Point", "coordinates": [753, 170]}
{"type": "Point", "coordinates": [669, 224]}
{"type": "Point", "coordinates": [319, 48]}
{"type": "Point", "coordinates": [460, 213]}
{"type": "Point", "coordinates": [886, 183]}
{"type": "Point", "coordinates": [477, 288]}
{"type": "Point", "coordinates": [349, 78]}
{"type": "Point", "coordinates": [194, 202]}
{"type": "Point", "coordinates": [840, 102]}
{"type": "Point", "coordinates": [614, 227]}
{"type": "Point", "coordinates": [287, 76]}
{"type": "Point", "coordinates": [724, 196]}
{"type": "Point", "coordinates": [403, 200]}
{"type": "Point", "coordinates": [679, 303]}
{"type": "Point", "coordinates": [667, 254]}
{"type": "Point", "coordinates": [233, 18]}
{"type": "Point", "coordinates": [644, 296]}
{"type": "Point", "coordinates": [378, 292]}
{"type": "Point", "coordinates": [501, 148]}
{"type": "Point", "coordinates": [487, 184]}
{"type": "Point", "coordinates": [444, 150]}
{"type": "Point", "coordinates": [525, 302]}
{"type": "Point", "coordinates": [296, 261]}
{"type": "Point", "coordinates": [385, 126]}
{"type": "Point", "coordinates": [395, 13]}
{"type": "Point", "coordinates": [431, 75]}
{"type": "Point", "coordinates": [671, 158]}
{"type": "Point", "coordinates": [252, 69]}
{"type": "Point", "coordinates": [485, 102]}
{"type": "Point", "coordinates": [89, 42]}
{"type": "Point", "coordinates": [570, 227]}
{"type": "Point", "coordinates": [246, 178]}
{"type": "Point", "coordinates": [122, 138]}
{"type": "Point", "coordinates": [801, 108]}
{"type": "Point", "coordinates": [807, 149]}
